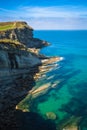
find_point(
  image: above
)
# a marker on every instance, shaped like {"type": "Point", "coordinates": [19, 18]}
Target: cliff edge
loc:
{"type": "Point", "coordinates": [21, 32]}
{"type": "Point", "coordinates": [19, 62]}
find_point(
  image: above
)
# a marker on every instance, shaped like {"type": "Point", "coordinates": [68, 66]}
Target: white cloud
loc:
{"type": "Point", "coordinates": [53, 11]}
{"type": "Point", "coordinates": [58, 23]}
{"type": "Point", "coordinates": [54, 17]}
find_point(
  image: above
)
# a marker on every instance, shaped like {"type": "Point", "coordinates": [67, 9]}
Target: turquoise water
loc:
{"type": "Point", "coordinates": [68, 101]}
{"type": "Point", "coordinates": [72, 92]}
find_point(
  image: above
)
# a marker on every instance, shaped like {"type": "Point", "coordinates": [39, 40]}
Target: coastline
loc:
{"type": "Point", "coordinates": [19, 67]}
{"type": "Point", "coordinates": [36, 92]}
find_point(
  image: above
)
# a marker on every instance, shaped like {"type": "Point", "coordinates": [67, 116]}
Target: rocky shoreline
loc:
{"type": "Point", "coordinates": [20, 64]}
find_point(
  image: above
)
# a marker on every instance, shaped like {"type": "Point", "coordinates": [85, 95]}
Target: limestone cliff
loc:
{"type": "Point", "coordinates": [17, 69]}
{"type": "Point", "coordinates": [18, 65]}
{"type": "Point", "coordinates": [22, 32]}
{"type": "Point", "coordinates": [19, 62]}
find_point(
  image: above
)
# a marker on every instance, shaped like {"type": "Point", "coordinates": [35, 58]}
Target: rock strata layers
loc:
{"type": "Point", "coordinates": [19, 63]}
{"type": "Point", "coordinates": [21, 32]}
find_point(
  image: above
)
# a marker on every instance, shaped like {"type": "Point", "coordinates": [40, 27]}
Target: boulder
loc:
{"type": "Point", "coordinates": [51, 115]}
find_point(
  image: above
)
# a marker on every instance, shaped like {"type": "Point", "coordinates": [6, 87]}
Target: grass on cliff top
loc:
{"type": "Point", "coordinates": [12, 25]}
{"type": "Point", "coordinates": [6, 27]}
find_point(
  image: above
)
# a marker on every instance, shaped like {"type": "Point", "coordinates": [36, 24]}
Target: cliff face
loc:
{"type": "Point", "coordinates": [17, 69]}
{"type": "Point", "coordinates": [18, 65]}
{"type": "Point", "coordinates": [21, 32]}
{"type": "Point", "coordinates": [16, 56]}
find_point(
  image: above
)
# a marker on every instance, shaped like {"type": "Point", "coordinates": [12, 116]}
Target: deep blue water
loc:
{"type": "Point", "coordinates": [69, 99]}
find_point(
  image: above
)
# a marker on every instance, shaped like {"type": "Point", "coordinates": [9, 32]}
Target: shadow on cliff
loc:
{"type": "Point", "coordinates": [17, 92]}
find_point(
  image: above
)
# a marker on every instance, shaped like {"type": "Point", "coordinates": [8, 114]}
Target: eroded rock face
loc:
{"type": "Point", "coordinates": [18, 65]}
{"type": "Point", "coordinates": [23, 33]}
{"type": "Point", "coordinates": [17, 69]}
{"type": "Point", "coordinates": [4, 62]}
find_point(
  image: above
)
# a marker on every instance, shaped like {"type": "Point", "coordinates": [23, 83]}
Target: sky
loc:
{"type": "Point", "coordinates": [46, 14]}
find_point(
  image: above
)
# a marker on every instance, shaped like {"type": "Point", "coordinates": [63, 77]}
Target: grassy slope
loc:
{"type": "Point", "coordinates": [12, 25]}
{"type": "Point", "coordinates": [6, 27]}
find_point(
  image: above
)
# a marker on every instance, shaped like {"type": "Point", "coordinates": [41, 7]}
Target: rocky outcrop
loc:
{"type": "Point", "coordinates": [19, 63]}
{"type": "Point", "coordinates": [51, 115]}
{"type": "Point", "coordinates": [22, 32]}
{"type": "Point", "coordinates": [17, 69]}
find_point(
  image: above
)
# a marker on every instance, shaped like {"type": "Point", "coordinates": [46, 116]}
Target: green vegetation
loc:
{"type": "Point", "coordinates": [6, 27]}
{"type": "Point", "coordinates": [12, 25]}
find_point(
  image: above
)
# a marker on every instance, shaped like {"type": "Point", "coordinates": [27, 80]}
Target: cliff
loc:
{"type": "Point", "coordinates": [21, 32]}
{"type": "Point", "coordinates": [17, 69]}
{"type": "Point", "coordinates": [19, 63]}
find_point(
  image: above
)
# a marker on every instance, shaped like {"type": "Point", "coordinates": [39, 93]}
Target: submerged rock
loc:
{"type": "Point", "coordinates": [71, 128]}
{"type": "Point", "coordinates": [51, 115]}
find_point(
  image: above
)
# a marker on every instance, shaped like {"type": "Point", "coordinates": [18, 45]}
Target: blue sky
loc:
{"type": "Point", "coordinates": [46, 14]}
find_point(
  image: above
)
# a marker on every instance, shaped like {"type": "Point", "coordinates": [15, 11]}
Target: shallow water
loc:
{"type": "Point", "coordinates": [68, 100]}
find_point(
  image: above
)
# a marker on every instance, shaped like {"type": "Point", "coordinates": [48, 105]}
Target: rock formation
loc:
{"type": "Point", "coordinates": [22, 32]}
{"type": "Point", "coordinates": [19, 62]}
{"type": "Point", "coordinates": [51, 115]}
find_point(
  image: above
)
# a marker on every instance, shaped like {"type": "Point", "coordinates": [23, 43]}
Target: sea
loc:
{"type": "Point", "coordinates": [65, 105]}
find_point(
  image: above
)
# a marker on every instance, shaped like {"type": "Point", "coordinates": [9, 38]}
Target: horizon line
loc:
{"type": "Point", "coordinates": [60, 29]}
